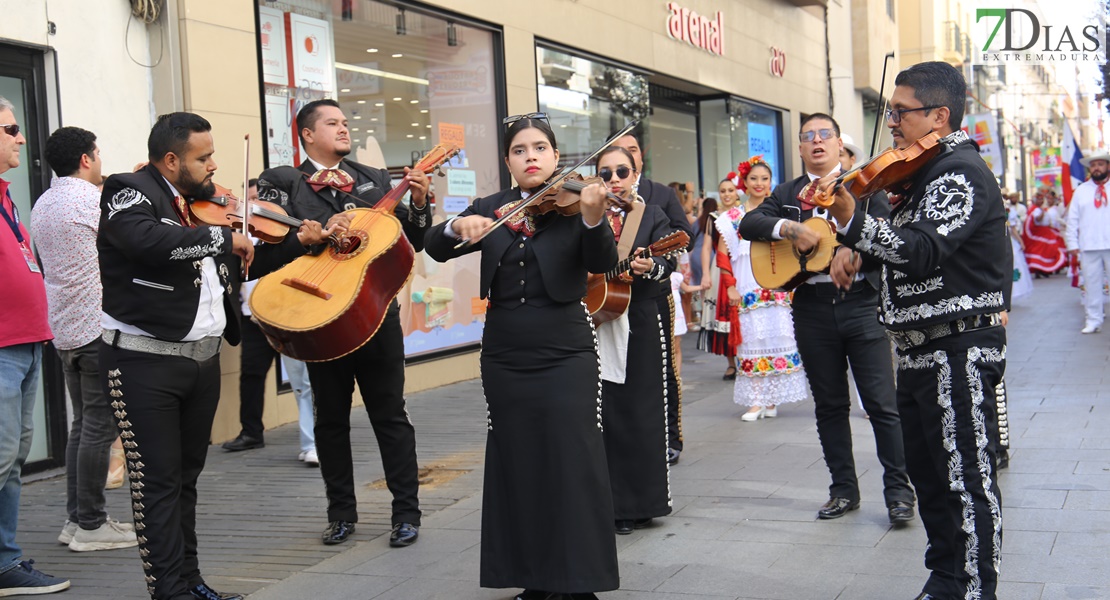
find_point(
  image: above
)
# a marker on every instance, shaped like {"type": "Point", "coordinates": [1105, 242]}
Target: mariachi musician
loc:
{"type": "Point", "coordinates": [633, 351]}
{"type": "Point", "coordinates": [547, 511]}
{"type": "Point", "coordinates": [324, 186]}
{"type": "Point", "coordinates": [836, 329]}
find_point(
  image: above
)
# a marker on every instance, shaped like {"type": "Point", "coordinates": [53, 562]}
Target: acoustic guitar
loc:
{"type": "Point", "coordinates": [325, 306]}
{"type": "Point", "coordinates": [778, 266]}
{"type": "Point", "coordinates": [608, 296]}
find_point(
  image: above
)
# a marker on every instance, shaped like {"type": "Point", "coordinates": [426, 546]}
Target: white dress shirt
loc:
{"type": "Point", "coordinates": [1088, 228]}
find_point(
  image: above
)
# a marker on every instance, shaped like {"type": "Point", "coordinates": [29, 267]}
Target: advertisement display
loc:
{"type": "Point", "coordinates": [271, 31]}
{"type": "Point", "coordinates": [1047, 168]}
{"type": "Point", "coordinates": [983, 128]}
{"type": "Point", "coordinates": [763, 139]}
{"type": "Point", "coordinates": [313, 59]}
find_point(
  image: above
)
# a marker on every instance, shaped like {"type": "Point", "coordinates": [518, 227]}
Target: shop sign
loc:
{"type": "Point", "coordinates": [697, 30]}
{"type": "Point", "coordinates": [778, 62]}
{"type": "Point", "coordinates": [311, 47]}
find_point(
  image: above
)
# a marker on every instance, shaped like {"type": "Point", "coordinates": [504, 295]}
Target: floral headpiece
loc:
{"type": "Point", "coordinates": [737, 177]}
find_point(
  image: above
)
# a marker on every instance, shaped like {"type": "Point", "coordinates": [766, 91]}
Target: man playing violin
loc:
{"type": "Point", "coordinates": [947, 272]}
{"type": "Point", "coordinates": [835, 329]}
{"type": "Point", "coordinates": [167, 302]}
{"type": "Point", "coordinates": [324, 186]}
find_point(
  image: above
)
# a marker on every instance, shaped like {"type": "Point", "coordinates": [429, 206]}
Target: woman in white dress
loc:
{"type": "Point", "coordinates": [768, 368]}
{"type": "Point", "coordinates": [1023, 282]}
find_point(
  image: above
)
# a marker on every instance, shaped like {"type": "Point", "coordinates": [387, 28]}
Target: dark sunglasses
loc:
{"type": "Point", "coordinates": [513, 119]}
{"type": "Point", "coordinates": [809, 136]}
{"type": "Point", "coordinates": [11, 129]}
{"type": "Point", "coordinates": [622, 173]}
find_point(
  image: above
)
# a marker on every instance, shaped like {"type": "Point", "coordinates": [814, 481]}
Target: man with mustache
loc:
{"type": "Point", "coordinates": [324, 186]}
{"type": "Point", "coordinates": [1088, 235]}
{"type": "Point", "coordinates": [947, 277]}
{"type": "Point", "coordinates": [168, 300]}
{"type": "Point", "coordinates": [835, 329]}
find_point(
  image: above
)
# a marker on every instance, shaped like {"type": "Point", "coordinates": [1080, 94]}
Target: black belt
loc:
{"type": "Point", "coordinates": [907, 339]}
{"type": "Point", "coordinates": [829, 291]}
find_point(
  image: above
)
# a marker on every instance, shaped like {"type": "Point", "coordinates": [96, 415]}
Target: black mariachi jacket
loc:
{"type": "Point", "coordinates": [783, 203]}
{"type": "Point", "coordinates": [150, 263]}
{"type": "Point", "coordinates": [288, 187]}
{"type": "Point", "coordinates": [565, 248]}
{"type": "Point", "coordinates": [945, 251]}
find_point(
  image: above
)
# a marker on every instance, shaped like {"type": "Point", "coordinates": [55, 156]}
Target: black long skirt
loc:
{"type": "Point", "coordinates": [634, 414]}
{"type": "Point", "coordinates": [547, 510]}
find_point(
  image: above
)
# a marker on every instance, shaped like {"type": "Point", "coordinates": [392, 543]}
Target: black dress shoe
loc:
{"type": "Point", "coordinates": [641, 523]}
{"type": "Point", "coordinates": [243, 442]}
{"type": "Point", "coordinates": [204, 592]}
{"type": "Point", "coordinates": [1003, 459]}
{"type": "Point", "coordinates": [672, 456]}
{"type": "Point", "coordinates": [625, 526]}
{"type": "Point", "coordinates": [900, 512]}
{"type": "Point", "coordinates": [338, 532]}
{"type": "Point", "coordinates": [836, 508]}
{"type": "Point", "coordinates": [404, 534]}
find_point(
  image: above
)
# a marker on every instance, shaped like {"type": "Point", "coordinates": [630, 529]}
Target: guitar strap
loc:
{"type": "Point", "coordinates": [632, 218]}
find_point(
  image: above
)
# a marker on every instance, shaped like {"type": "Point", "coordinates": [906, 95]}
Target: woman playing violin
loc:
{"type": "Point", "coordinates": [633, 349]}
{"type": "Point", "coordinates": [546, 508]}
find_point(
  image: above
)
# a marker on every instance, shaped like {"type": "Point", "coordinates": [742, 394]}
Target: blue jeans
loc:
{"type": "Point", "coordinates": [90, 436]}
{"type": "Point", "coordinates": [302, 390]}
{"type": "Point", "coordinates": [19, 378]}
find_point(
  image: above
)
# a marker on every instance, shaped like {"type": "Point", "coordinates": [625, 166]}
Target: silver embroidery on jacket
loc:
{"type": "Point", "coordinates": [201, 250]}
{"type": "Point", "coordinates": [914, 289]}
{"type": "Point", "coordinates": [925, 310]}
{"type": "Point", "coordinates": [267, 192]}
{"type": "Point", "coordinates": [878, 239]}
{"type": "Point", "coordinates": [948, 200]}
{"type": "Point", "coordinates": [125, 199]}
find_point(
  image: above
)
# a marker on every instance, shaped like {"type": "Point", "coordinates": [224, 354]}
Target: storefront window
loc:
{"type": "Point", "coordinates": [406, 79]}
{"type": "Point", "coordinates": [587, 100]}
{"type": "Point", "coordinates": [733, 130]}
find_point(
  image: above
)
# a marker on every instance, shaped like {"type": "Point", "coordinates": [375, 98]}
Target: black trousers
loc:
{"type": "Point", "coordinates": [833, 332]}
{"type": "Point", "coordinates": [165, 406]}
{"type": "Point", "coordinates": [674, 386]}
{"type": "Point", "coordinates": [255, 361]}
{"type": "Point", "coordinates": [379, 369]}
{"type": "Point", "coordinates": [946, 396]}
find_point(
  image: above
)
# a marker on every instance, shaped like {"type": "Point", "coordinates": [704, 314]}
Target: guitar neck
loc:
{"type": "Point", "coordinates": [393, 197]}
{"type": "Point", "coordinates": [626, 264]}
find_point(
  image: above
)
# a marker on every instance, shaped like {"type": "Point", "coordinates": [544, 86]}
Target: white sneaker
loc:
{"type": "Point", "coordinates": [309, 458]}
{"type": "Point", "coordinates": [109, 536]}
{"type": "Point", "coordinates": [66, 536]}
{"type": "Point", "coordinates": [1091, 329]}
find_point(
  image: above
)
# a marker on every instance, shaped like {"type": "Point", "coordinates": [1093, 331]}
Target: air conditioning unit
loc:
{"type": "Point", "coordinates": [555, 74]}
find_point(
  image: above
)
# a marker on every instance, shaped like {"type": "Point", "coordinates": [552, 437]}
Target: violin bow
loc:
{"type": "Point", "coordinates": [246, 202]}
{"type": "Point", "coordinates": [554, 181]}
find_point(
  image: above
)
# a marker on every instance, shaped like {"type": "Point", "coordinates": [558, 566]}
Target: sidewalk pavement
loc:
{"type": "Point", "coordinates": [745, 500]}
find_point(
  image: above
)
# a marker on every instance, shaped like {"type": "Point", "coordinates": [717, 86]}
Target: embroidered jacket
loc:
{"type": "Point", "coordinates": [945, 250]}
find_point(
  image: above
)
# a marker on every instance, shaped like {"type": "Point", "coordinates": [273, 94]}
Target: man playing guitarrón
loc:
{"type": "Point", "coordinates": [324, 186]}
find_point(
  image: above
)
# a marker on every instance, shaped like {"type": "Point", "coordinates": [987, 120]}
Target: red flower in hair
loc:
{"type": "Point", "coordinates": [746, 167]}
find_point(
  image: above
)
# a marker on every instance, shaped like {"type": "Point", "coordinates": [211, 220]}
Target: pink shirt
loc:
{"type": "Point", "coordinates": [23, 316]}
{"type": "Point", "coordinates": [65, 220]}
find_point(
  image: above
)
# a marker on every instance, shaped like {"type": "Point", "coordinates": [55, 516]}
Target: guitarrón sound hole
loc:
{"type": "Point", "coordinates": [350, 244]}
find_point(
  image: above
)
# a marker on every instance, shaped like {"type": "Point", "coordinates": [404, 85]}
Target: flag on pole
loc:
{"type": "Point", "coordinates": [1072, 171]}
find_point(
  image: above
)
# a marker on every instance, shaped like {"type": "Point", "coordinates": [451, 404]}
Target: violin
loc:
{"type": "Point", "coordinates": [888, 171]}
{"type": "Point", "coordinates": [267, 222]}
{"type": "Point", "coordinates": [564, 197]}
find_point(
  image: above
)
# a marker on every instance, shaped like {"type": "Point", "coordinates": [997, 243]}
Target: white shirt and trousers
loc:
{"type": "Point", "coordinates": [1088, 230]}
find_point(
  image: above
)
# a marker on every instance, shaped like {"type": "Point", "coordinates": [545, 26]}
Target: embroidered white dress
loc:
{"type": "Point", "coordinates": [768, 367]}
{"type": "Point", "coordinates": [1023, 281]}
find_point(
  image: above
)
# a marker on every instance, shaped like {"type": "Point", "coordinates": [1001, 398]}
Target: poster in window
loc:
{"type": "Point", "coordinates": [763, 139]}
{"type": "Point", "coordinates": [271, 32]}
{"type": "Point", "coordinates": [279, 131]}
{"type": "Point", "coordinates": [313, 63]}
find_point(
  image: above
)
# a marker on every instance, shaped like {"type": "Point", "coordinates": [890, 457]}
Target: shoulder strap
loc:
{"type": "Point", "coordinates": [632, 219]}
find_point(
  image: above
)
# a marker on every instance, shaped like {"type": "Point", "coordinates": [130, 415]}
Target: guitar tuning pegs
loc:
{"type": "Point", "coordinates": [439, 172]}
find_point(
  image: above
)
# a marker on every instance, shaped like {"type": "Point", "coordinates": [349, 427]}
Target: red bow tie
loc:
{"type": "Point", "coordinates": [334, 178]}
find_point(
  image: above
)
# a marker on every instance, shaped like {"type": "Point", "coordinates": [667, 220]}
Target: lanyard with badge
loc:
{"type": "Point", "coordinates": [24, 245]}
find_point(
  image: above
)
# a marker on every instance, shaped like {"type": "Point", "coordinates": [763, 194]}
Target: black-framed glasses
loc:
{"type": "Point", "coordinates": [622, 173]}
{"type": "Point", "coordinates": [513, 119]}
{"type": "Point", "coordinates": [894, 115]}
{"type": "Point", "coordinates": [809, 136]}
{"type": "Point", "coordinates": [11, 129]}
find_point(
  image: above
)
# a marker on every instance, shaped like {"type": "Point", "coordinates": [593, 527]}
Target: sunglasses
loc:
{"type": "Point", "coordinates": [622, 173]}
{"type": "Point", "coordinates": [11, 129]}
{"type": "Point", "coordinates": [894, 115]}
{"type": "Point", "coordinates": [513, 119]}
{"type": "Point", "coordinates": [809, 136]}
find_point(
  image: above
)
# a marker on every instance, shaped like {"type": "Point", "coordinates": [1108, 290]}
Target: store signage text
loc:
{"type": "Point", "coordinates": [697, 30]}
{"type": "Point", "coordinates": [778, 62]}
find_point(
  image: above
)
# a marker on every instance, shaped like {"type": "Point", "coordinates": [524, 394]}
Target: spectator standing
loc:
{"type": "Point", "coordinates": [1088, 235]}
